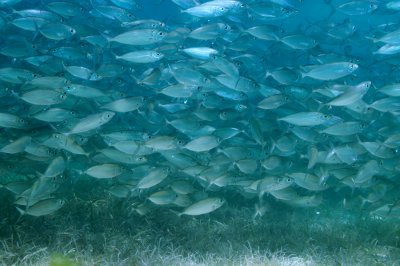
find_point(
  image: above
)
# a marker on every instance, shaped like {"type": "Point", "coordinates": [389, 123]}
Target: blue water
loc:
{"type": "Point", "coordinates": [196, 108]}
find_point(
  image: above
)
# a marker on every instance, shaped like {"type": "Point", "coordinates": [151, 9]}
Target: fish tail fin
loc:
{"type": "Point", "coordinates": [332, 7]}
{"type": "Point", "coordinates": [21, 214]}
{"type": "Point", "coordinates": [371, 39]}
{"type": "Point", "coordinates": [179, 214]}
{"type": "Point", "coordinates": [303, 74]}
{"type": "Point", "coordinates": [358, 138]}
{"type": "Point", "coordinates": [21, 211]}
{"type": "Point", "coordinates": [363, 202]}
{"type": "Point", "coordinates": [117, 57]}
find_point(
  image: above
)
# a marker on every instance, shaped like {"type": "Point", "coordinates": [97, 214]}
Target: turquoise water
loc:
{"type": "Point", "coordinates": [205, 132]}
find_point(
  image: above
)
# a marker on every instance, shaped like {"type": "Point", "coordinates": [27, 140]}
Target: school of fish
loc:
{"type": "Point", "coordinates": [267, 100]}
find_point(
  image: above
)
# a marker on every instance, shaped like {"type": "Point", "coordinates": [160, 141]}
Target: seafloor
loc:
{"type": "Point", "coordinates": [110, 232]}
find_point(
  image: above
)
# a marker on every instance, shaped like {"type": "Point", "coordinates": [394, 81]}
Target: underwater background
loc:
{"type": "Point", "coordinates": [190, 132]}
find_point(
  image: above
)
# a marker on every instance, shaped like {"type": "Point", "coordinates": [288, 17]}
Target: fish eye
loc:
{"type": "Point", "coordinates": [82, 9]}
{"type": "Point", "coordinates": [140, 158]}
{"type": "Point", "coordinates": [71, 30]}
{"type": "Point", "coordinates": [62, 20]}
{"type": "Point", "coordinates": [160, 33]}
{"type": "Point", "coordinates": [288, 179]}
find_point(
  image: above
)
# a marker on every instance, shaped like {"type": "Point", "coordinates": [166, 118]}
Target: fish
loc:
{"type": "Point", "coordinates": [306, 119]}
{"type": "Point", "coordinates": [357, 8]}
{"type": "Point", "coordinates": [345, 129]}
{"type": "Point", "coordinates": [17, 145]}
{"type": "Point", "coordinates": [92, 122]}
{"type": "Point", "coordinates": [12, 121]}
{"type": "Point", "coordinates": [124, 105]}
{"type": "Point", "coordinates": [203, 53]}
{"type": "Point", "coordinates": [55, 168]}
{"type": "Point", "coordinates": [139, 37]}
{"type": "Point", "coordinates": [206, 11]}
{"type": "Point", "coordinates": [57, 31]}
{"type": "Point", "coordinates": [203, 207]}
{"type": "Point", "coordinates": [66, 9]}
{"type": "Point", "coordinates": [209, 31]}
{"type": "Point", "coordinates": [43, 207]}
{"type": "Point", "coordinates": [202, 144]}
{"type": "Point", "coordinates": [163, 197]}
{"type": "Point", "coordinates": [351, 95]}
{"type": "Point", "coordinates": [105, 171]}
{"type": "Point", "coordinates": [299, 42]}
{"type": "Point", "coordinates": [44, 97]}
{"type": "Point", "coordinates": [219, 100]}
{"type": "Point", "coordinates": [141, 56]}
{"type": "Point", "coordinates": [156, 176]}
{"type": "Point", "coordinates": [330, 71]}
